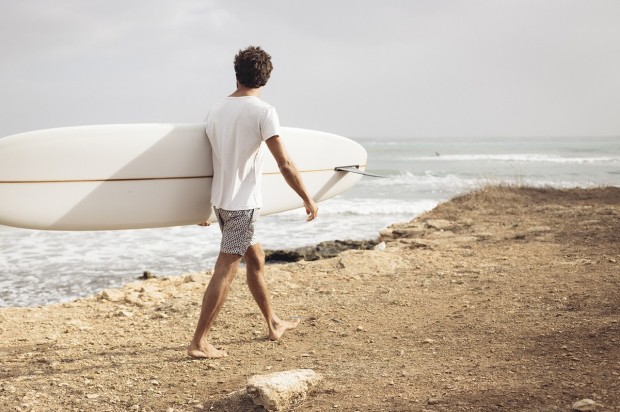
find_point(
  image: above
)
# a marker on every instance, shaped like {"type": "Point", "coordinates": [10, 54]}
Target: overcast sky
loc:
{"type": "Point", "coordinates": [411, 68]}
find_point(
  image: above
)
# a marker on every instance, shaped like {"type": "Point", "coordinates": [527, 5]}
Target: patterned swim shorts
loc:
{"type": "Point", "coordinates": [237, 228]}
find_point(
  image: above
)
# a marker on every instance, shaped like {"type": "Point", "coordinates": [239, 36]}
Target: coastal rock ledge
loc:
{"type": "Point", "coordinates": [323, 250]}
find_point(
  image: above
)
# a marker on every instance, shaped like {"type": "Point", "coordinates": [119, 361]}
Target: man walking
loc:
{"type": "Point", "coordinates": [237, 126]}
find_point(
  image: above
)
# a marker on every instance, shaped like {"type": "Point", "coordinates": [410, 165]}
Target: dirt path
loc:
{"type": "Point", "coordinates": [503, 299]}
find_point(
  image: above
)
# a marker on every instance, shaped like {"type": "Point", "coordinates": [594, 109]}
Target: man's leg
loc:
{"type": "Point", "coordinates": [213, 300]}
{"type": "Point", "coordinates": [255, 264]}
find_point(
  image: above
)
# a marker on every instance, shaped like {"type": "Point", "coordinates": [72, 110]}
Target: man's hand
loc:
{"type": "Point", "coordinates": [312, 210]}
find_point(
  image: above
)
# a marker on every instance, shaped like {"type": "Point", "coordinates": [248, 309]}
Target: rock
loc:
{"type": "Point", "coordinates": [380, 246]}
{"type": "Point", "coordinates": [278, 391]}
{"type": "Point", "coordinates": [113, 295]}
{"type": "Point", "coordinates": [323, 250]}
{"type": "Point", "coordinates": [585, 405]}
{"type": "Point", "coordinates": [147, 275]}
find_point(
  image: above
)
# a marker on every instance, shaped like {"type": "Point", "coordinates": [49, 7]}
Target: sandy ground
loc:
{"type": "Point", "coordinates": [503, 299]}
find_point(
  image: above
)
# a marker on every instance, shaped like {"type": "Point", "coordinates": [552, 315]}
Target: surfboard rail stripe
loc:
{"type": "Point", "coordinates": [149, 178]}
{"type": "Point", "coordinates": [103, 180]}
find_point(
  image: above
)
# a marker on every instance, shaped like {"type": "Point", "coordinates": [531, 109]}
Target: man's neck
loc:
{"type": "Point", "coordinates": [246, 91]}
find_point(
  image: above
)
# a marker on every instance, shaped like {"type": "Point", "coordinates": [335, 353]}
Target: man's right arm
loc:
{"type": "Point", "coordinates": [291, 174]}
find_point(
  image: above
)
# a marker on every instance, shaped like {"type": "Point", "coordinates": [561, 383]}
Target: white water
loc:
{"type": "Point", "coordinates": [38, 267]}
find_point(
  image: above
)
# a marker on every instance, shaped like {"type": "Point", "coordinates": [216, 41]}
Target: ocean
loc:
{"type": "Point", "coordinates": [40, 267]}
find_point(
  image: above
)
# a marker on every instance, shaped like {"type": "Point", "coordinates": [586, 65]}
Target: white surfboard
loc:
{"type": "Point", "coordinates": [133, 176]}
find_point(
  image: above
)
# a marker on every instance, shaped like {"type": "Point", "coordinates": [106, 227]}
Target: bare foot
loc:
{"type": "Point", "coordinates": [205, 351]}
{"type": "Point", "coordinates": [281, 326]}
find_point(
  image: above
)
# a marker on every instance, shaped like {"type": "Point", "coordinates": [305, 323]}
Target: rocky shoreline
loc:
{"type": "Point", "coordinates": [323, 250]}
{"type": "Point", "coordinates": [501, 299]}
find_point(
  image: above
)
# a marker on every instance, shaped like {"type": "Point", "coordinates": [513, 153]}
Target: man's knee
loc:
{"type": "Point", "coordinates": [255, 256]}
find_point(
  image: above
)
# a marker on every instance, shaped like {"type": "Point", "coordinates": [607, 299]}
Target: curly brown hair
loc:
{"type": "Point", "coordinates": [253, 67]}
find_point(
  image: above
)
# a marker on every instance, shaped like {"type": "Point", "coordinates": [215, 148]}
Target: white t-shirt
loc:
{"type": "Point", "coordinates": [236, 128]}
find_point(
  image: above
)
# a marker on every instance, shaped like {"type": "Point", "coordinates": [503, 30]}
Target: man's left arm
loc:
{"type": "Point", "coordinates": [291, 175]}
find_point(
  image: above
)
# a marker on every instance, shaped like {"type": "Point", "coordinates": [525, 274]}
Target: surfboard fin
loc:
{"type": "Point", "coordinates": [355, 169]}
